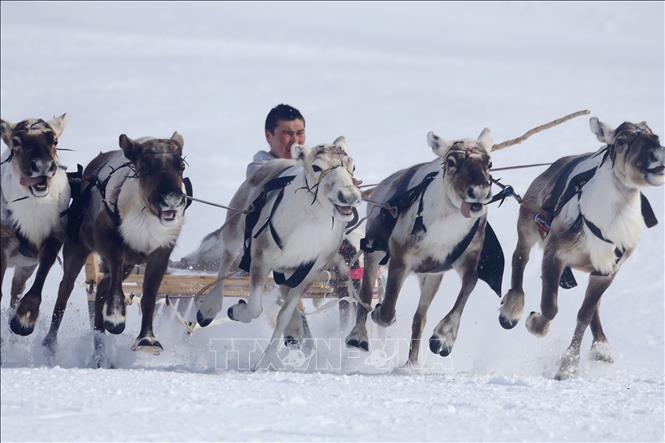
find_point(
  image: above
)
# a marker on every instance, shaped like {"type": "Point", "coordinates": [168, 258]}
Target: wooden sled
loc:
{"type": "Point", "coordinates": [179, 287]}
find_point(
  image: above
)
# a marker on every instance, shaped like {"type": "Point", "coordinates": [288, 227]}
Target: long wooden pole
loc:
{"type": "Point", "coordinates": [530, 132]}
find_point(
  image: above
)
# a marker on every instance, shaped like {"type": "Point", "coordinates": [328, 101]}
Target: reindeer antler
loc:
{"type": "Point", "coordinates": [530, 132]}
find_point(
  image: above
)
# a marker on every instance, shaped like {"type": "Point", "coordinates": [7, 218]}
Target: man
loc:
{"type": "Point", "coordinates": [284, 126]}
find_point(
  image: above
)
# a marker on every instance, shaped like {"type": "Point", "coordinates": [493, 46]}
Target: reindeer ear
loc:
{"type": "Point", "coordinates": [485, 140]}
{"type": "Point", "coordinates": [129, 147]}
{"type": "Point", "coordinates": [439, 146]}
{"type": "Point", "coordinates": [58, 124]}
{"type": "Point", "coordinates": [341, 142]}
{"type": "Point", "coordinates": [299, 152]}
{"type": "Point", "coordinates": [644, 126]}
{"type": "Point", "coordinates": [177, 138]}
{"type": "Point", "coordinates": [604, 133]}
{"type": "Point", "coordinates": [6, 130]}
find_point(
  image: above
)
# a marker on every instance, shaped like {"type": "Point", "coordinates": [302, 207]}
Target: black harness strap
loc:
{"type": "Point", "coordinates": [492, 261]}
{"type": "Point", "coordinates": [457, 251]}
{"type": "Point", "coordinates": [296, 278]}
{"type": "Point", "coordinates": [402, 201]}
{"type": "Point", "coordinates": [647, 212]}
{"type": "Point", "coordinates": [252, 217]}
{"type": "Point", "coordinates": [189, 191]}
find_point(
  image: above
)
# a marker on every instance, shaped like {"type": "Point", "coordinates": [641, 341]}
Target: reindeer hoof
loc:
{"type": "Point", "coordinates": [240, 312]}
{"type": "Point", "coordinates": [506, 323]}
{"type": "Point", "coordinates": [292, 342]}
{"type": "Point", "coordinates": [203, 321]}
{"type": "Point", "coordinates": [148, 345]}
{"type": "Point", "coordinates": [437, 347]}
{"type": "Point", "coordinates": [356, 343]}
{"type": "Point", "coordinates": [21, 325]}
{"type": "Point", "coordinates": [601, 351]}
{"type": "Point", "coordinates": [114, 328]}
{"type": "Point", "coordinates": [50, 343]}
{"type": "Point", "coordinates": [537, 324]}
{"type": "Point", "coordinates": [376, 316]}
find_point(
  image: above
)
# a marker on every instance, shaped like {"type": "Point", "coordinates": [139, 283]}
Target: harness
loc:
{"type": "Point", "coordinates": [252, 218]}
{"type": "Point", "coordinates": [81, 197]}
{"type": "Point", "coordinates": [565, 190]}
{"type": "Point", "coordinates": [491, 263]}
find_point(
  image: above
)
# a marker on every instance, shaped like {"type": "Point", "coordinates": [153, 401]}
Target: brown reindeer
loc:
{"type": "Point", "coordinates": [130, 211]}
{"type": "Point", "coordinates": [594, 211]}
{"type": "Point", "coordinates": [428, 219]}
{"type": "Point", "coordinates": [35, 194]}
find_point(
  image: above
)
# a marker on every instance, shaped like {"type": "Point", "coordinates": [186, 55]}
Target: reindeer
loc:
{"type": "Point", "coordinates": [592, 207]}
{"type": "Point", "coordinates": [298, 212]}
{"type": "Point", "coordinates": [428, 219]}
{"type": "Point", "coordinates": [35, 195]}
{"type": "Point", "coordinates": [131, 211]}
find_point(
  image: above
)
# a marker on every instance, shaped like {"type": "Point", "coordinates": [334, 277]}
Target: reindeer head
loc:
{"type": "Point", "coordinates": [466, 171]}
{"type": "Point", "coordinates": [329, 175]}
{"type": "Point", "coordinates": [33, 151]}
{"type": "Point", "coordinates": [638, 158]}
{"type": "Point", "coordinates": [159, 166]}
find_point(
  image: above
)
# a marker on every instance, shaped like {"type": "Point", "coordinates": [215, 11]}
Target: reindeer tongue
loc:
{"type": "Point", "coordinates": [466, 209]}
{"type": "Point", "coordinates": [32, 181]}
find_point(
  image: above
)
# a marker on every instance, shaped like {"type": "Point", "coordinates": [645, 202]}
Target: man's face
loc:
{"type": "Point", "coordinates": [286, 134]}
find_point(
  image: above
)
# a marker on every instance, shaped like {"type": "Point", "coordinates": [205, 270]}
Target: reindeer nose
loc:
{"type": "Point", "coordinates": [341, 197]}
{"type": "Point", "coordinates": [173, 199]}
{"type": "Point", "coordinates": [479, 192]}
{"type": "Point", "coordinates": [34, 166]}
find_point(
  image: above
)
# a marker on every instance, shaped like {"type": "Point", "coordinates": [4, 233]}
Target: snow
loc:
{"type": "Point", "coordinates": [382, 75]}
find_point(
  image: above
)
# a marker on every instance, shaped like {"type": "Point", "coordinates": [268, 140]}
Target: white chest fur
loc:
{"type": "Point", "coordinates": [445, 226]}
{"type": "Point", "coordinates": [35, 218]}
{"type": "Point", "coordinates": [308, 231]}
{"type": "Point", "coordinates": [140, 229]}
{"type": "Point", "coordinates": [615, 210]}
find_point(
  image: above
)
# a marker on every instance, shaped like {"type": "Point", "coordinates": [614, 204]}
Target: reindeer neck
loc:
{"type": "Point", "coordinates": [437, 203]}
{"type": "Point", "coordinates": [612, 206]}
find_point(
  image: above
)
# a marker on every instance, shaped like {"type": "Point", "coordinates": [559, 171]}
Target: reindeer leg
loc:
{"type": "Point", "coordinates": [512, 303]}
{"type": "Point", "coordinates": [74, 256]}
{"type": "Point", "coordinates": [294, 332]}
{"type": "Point", "coordinates": [538, 324]}
{"type": "Point", "coordinates": [595, 290]}
{"type": "Point", "coordinates": [600, 348]}
{"type": "Point", "coordinates": [154, 272]}
{"type": "Point", "coordinates": [99, 353]}
{"type": "Point", "coordinates": [208, 305]}
{"type": "Point", "coordinates": [357, 338]}
{"type": "Point", "coordinates": [429, 284]}
{"type": "Point", "coordinates": [445, 333]}
{"type": "Point", "coordinates": [246, 312]}
{"type": "Point", "coordinates": [114, 311]}
{"type": "Point", "coordinates": [21, 276]}
{"type": "Point", "coordinates": [269, 357]}
{"type": "Point", "coordinates": [384, 312]}
{"type": "Point", "coordinates": [27, 311]}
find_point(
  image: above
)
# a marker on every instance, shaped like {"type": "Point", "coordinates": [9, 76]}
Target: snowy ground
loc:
{"type": "Point", "coordinates": [382, 74]}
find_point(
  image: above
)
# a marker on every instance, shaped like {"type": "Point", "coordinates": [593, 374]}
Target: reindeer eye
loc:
{"type": "Point", "coordinates": [621, 140]}
{"type": "Point", "coordinates": [55, 141]}
{"type": "Point", "coordinates": [16, 141]}
{"type": "Point", "coordinates": [450, 163]}
{"type": "Point", "coordinates": [316, 168]}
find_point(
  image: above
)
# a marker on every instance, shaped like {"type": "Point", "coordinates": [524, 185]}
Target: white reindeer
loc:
{"type": "Point", "coordinates": [298, 211]}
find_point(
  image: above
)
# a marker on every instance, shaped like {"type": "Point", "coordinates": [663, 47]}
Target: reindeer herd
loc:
{"type": "Point", "coordinates": [128, 206]}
